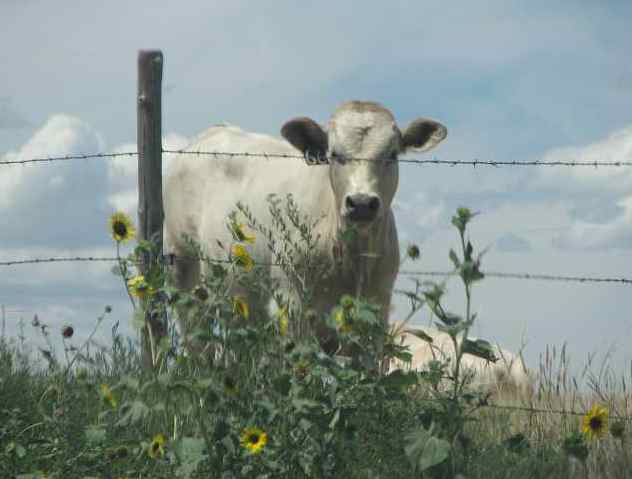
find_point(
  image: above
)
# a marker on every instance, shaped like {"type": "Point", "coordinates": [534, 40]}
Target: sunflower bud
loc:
{"type": "Point", "coordinates": [413, 252]}
{"type": "Point", "coordinates": [347, 302]}
{"type": "Point", "coordinates": [201, 293]}
{"type": "Point", "coordinates": [617, 429]}
{"type": "Point", "coordinates": [67, 331]}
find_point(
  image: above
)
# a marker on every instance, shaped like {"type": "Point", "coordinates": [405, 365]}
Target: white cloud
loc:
{"type": "Point", "coordinates": [606, 180]}
{"type": "Point", "coordinates": [53, 203]}
{"type": "Point", "coordinates": [61, 135]}
{"type": "Point", "coordinates": [598, 201]}
{"type": "Point", "coordinates": [616, 233]}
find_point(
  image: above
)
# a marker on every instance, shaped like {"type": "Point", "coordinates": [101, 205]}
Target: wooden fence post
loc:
{"type": "Point", "coordinates": [150, 210]}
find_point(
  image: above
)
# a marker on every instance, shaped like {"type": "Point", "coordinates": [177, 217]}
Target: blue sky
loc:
{"type": "Point", "coordinates": [511, 81]}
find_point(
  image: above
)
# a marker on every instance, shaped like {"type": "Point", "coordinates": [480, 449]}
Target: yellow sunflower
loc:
{"type": "Point", "coordinates": [157, 446]}
{"type": "Point", "coordinates": [121, 227]}
{"type": "Point", "coordinates": [343, 321]}
{"type": "Point", "coordinates": [284, 320]}
{"type": "Point", "coordinates": [240, 234]}
{"type": "Point", "coordinates": [107, 396]}
{"type": "Point", "coordinates": [240, 307]}
{"type": "Point", "coordinates": [595, 422]}
{"type": "Point", "coordinates": [138, 287]}
{"type": "Point", "coordinates": [253, 439]}
{"type": "Point", "coordinates": [241, 257]}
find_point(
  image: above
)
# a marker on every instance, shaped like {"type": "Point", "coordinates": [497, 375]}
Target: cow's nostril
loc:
{"type": "Point", "coordinates": [374, 204]}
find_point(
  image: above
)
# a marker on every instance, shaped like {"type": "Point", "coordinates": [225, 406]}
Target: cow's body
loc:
{"type": "Point", "coordinates": [201, 192]}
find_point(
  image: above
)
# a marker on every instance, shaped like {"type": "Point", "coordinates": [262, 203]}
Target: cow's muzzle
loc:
{"type": "Point", "coordinates": [362, 208]}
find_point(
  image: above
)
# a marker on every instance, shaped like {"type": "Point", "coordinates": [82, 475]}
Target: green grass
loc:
{"type": "Point", "coordinates": [63, 427]}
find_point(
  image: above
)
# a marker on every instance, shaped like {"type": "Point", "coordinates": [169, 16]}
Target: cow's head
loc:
{"type": "Point", "coordinates": [362, 143]}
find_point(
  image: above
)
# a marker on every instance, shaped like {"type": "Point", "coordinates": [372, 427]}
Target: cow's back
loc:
{"type": "Point", "coordinates": [202, 190]}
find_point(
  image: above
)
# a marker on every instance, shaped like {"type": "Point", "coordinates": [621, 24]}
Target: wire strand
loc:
{"type": "Point", "coordinates": [79, 156]}
{"type": "Point", "coordinates": [322, 161]}
{"type": "Point", "coordinates": [433, 161]}
{"type": "Point", "coordinates": [527, 276]}
{"type": "Point", "coordinates": [170, 258]}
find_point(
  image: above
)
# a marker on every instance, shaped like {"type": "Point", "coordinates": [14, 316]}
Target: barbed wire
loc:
{"type": "Point", "coordinates": [535, 410]}
{"type": "Point", "coordinates": [432, 161]}
{"type": "Point", "coordinates": [170, 258]}
{"type": "Point", "coordinates": [78, 156]}
{"type": "Point", "coordinates": [528, 276]}
{"type": "Point", "coordinates": [324, 160]}
{"type": "Point", "coordinates": [68, 259]}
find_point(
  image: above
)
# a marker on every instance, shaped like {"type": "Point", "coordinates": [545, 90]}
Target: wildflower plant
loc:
{"type": "Point", "coordinates": [448, 380]}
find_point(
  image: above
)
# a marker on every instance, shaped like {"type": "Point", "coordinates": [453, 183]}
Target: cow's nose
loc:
{"type": "Point", "coordinates": [362, 207]}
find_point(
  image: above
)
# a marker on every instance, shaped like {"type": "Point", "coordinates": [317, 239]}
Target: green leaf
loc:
{"type": "Point", "coordinates": [468, 251]}
{"type": "Point", "coordinates": [349, 235]}
{"type": "Point", "coordinates": [335, 419]}
{"type": "Point", "coordinates": [453, 330]}
{"type": "Point", "coordinates": [450, 319]}
{"type": "Point", "coordinates": [480, 348]}
{"type": "Point", "coordinates": [190, 452]}
{"type": "Point", "coordinates": [282, 384]}
{"type": "Point", "coordinates": [454, 258]}
{"type": "Point", "coordinates": [517, 443]}
{"type": "Point", "coordinates": [138, 319]}
{"type": "Point", "coordinates": [421, 334]}
{"type": "Point", "coordinates": [128, 382]}
{"type": "Point", "coordinates": [15, 448]}
{"type": "Point", "coordinates": [135, 412]}
{"type": "Point", "coordinates": [304, 405]}
{"type": "Point", "coordinates": [434, 295]}
{"type": "Point", "coordinates": [228, 443]}
{"type": "Point", "coordinates": [399, 379]}
{"type": "Point", "coordinates": [470, 271]}
{"type": "Point", "coordinates": [425, 450]}
{"type": "Point", "coordinates": [95, 435]}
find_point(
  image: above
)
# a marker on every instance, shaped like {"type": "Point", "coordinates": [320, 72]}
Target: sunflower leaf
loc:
{"type": "Point", "coordinates": [399, 379]}
{"type": "Point", "coordinates": [421, 334]}
{"type": "Point", "coordinates": [425, 450]}
{"type": "Point", "coordinates": [190, 452]}
{"type": "Point", "coordinates": [95, 435]}
{"type": "Point", "coordinates": [480, 348]}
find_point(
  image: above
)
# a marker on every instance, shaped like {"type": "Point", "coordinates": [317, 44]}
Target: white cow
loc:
{"type": "Point", "coordinates": [200, 193]}
{"type": "Point", "coordinates": [508, 374]}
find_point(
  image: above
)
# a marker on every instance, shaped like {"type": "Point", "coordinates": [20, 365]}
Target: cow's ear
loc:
{"type": "Point", "coordinates": [306, 135]}
{"type": "Point", "coordinates": [423, 134]}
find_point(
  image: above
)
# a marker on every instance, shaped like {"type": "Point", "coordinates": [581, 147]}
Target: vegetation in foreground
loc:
{"type": "Point", "coordinates": [262, 399]}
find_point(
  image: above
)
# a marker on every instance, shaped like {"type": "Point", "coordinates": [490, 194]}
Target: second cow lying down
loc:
{"type": "Point", "coordinates": [508, 374]}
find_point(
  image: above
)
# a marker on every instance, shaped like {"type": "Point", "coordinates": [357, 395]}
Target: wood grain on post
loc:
{"type": "Point", "coordinates": [150, 210]}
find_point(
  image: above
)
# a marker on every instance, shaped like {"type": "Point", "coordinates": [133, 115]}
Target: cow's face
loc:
{"type": "Point", "coordinates": [362, 144]}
